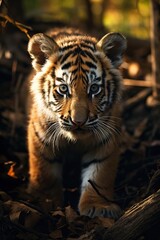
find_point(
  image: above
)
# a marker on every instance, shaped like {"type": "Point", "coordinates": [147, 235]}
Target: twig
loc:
{"type": "Point", "coordinates": [94, 186]}
{"type": "Point", "coordinates": [19, 25]}
{"type": "Point", "coordinates": [139, 97]}
{"type": "Point", "coordinates": [138, 83]}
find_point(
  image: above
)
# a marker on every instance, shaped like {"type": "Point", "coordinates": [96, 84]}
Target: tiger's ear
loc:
{"type": "Point", "coordinates": [114, 46]}
{"type": "Point", "coordinates": [40, 47]}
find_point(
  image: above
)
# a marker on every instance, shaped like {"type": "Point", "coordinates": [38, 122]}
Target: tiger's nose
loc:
{"type": "Point", "coordinates": [78, 114]}
{"type": "Point", "coordinates": [79, 123]}
{"type": "Point", "coordinates": [78, 119]}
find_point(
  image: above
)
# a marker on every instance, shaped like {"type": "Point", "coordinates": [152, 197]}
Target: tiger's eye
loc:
{"type": "Point", "coordinates": [63, 88]}
{"type": "Point", "coordinates": [94, 89]}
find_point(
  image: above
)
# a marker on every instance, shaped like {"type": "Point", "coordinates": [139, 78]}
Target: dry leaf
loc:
{"type": "Point", "coordinates": [15, 217]}
{"type": "Point", "coordinates": [31, 219]}
{"type": "Point", "coordinates": [11, 171]}
{"type": "Point", "coordinates": [71, 214]}
{"type": "Point", "coordinates": [58, 212]}
{"type": "Point", "coordinates": [22, 214]}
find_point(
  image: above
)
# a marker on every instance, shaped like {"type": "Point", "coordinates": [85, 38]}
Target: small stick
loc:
{"type": "Point", "coordinates": [94, 186]}
{"type": "Point", "coordinates": [19, 25]}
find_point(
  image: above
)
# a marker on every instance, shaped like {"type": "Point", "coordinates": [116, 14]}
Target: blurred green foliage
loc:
{"type": "Point", "coordinates": [131, 17]}
{"type": "Point", "coordinates": [128, 16]}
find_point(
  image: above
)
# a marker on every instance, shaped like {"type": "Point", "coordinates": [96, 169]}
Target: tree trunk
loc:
{"type": "Point", "coordinates": [90, 22]}
{"type": "Point", "coordinates": [137, 220]}
{"type": "Point", "coordinates": [155, 52]}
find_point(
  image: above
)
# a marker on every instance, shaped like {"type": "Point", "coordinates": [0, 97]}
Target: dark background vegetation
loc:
{"type": "Point", "coordinates": [138, 174]}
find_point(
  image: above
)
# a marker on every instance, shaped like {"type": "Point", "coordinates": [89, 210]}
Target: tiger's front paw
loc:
{"type": "Point", "coordinates": [111, 211]}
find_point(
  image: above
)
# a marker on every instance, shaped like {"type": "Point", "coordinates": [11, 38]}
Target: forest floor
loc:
{"type": "Point", "coordinates": [138, 175]}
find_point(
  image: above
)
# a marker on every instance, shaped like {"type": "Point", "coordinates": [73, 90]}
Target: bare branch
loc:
{"type": "Point", "coordinates": [137, 220]}
{"type": "Point", "coordinates": [19, 25]}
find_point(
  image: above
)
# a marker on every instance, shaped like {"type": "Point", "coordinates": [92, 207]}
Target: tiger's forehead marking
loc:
{"type": "Point", "coordinates": [62, 76]}
{"type": "Point", "coordinates": [67, 76]}
{"type": "Point", "coordinates": [77, 65]}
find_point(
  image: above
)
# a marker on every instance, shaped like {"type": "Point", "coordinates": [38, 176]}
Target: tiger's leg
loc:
{"type": "Point", "coordinates": [101, 176]}
{"type": "Point", "coordinates": [45, 172]}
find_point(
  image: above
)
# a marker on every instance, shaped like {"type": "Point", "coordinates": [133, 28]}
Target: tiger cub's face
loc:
{"type": "Point", "coordinates": [77, 81]}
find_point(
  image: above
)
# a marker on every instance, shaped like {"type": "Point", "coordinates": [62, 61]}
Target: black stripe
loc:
{"type": "Point", "coordinates": [52, 103]}
{"type": "Point", "coordinates": [113, 86]}
{"type": "Point", "coordinates": [66, 65]}
{"type": "Point", "coordinates": [43, 94]}
{"type": "Point", "coordinates": [87, 44]}
{"type": "Point", "coordinates": [79, 60]}
{"type": "Point", "coordinates": [74, 78]}
{"type": "Point", "coordinates": [85, 79]}
{"type": "Point", "coordinates": [77, 50]}
{"type": "Point", "coordinates": [91, 65]}
{"type": "Point", "coordinates": [56, 97]}
{"type": "Point", "coordinates": [75, 71]}
{"type": "Point", "coordinates": [94, 161]}
{"type": "Point", "coordinates": [49, 87]}
{"type": "Point", "coordinates": [65, 56]}
{"type": "Point", "coordinates": [66, 48]}
{"type": "Point", "coordinates": [37, 135]}
{"type": "Point", "coordinates": [90, 55]}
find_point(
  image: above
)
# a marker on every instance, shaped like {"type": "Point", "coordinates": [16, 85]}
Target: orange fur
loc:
{"type": "Point", "coordinates": [75, 109]}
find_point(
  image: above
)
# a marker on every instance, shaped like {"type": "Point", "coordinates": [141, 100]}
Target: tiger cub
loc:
{"type": "Point", "coordinates": [74, 116]}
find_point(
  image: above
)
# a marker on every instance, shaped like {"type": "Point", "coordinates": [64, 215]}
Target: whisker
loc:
{"type": "Point", "coordinates": [97, 134]}
{"type": "Point", "coordinates": [109, 128]}
{"type": "Point", "coordinates": [112, 127]}
{"type": "Point", "coordinates": [53, 134]}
